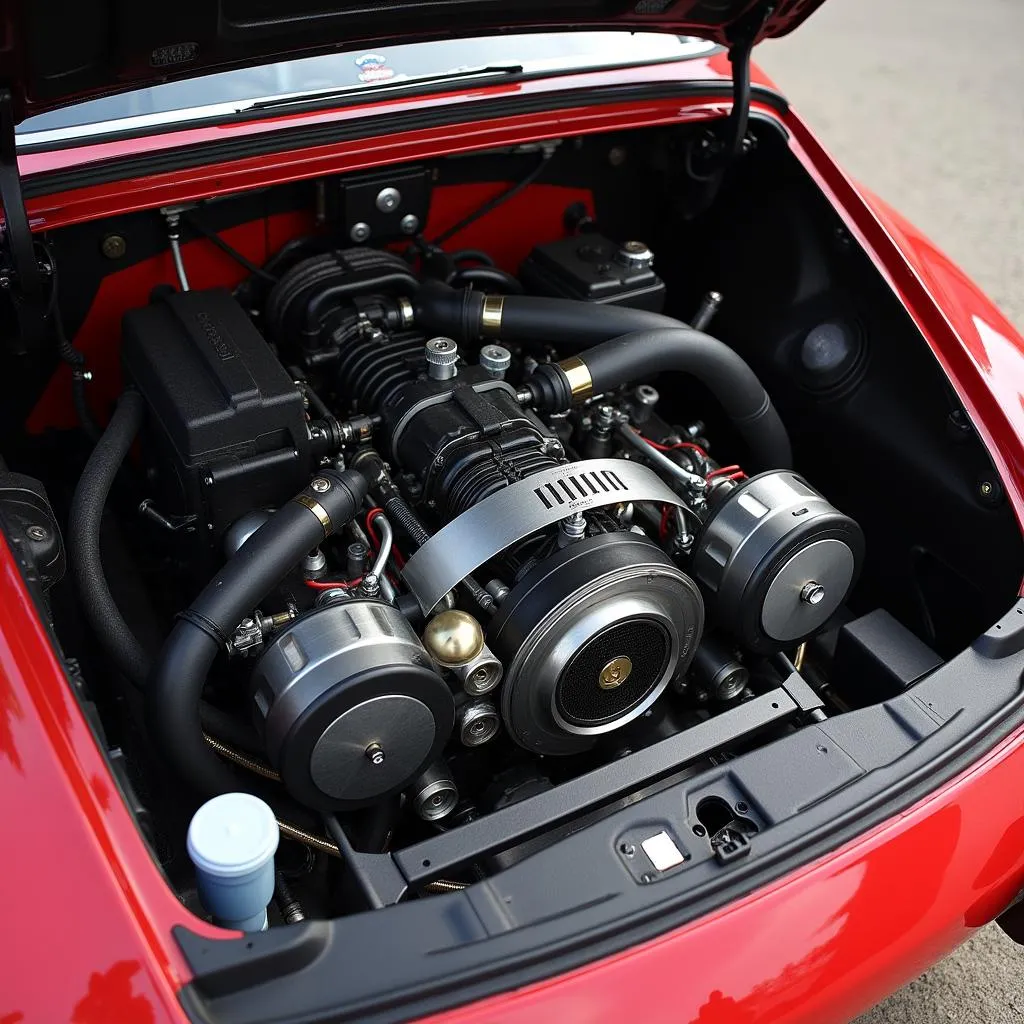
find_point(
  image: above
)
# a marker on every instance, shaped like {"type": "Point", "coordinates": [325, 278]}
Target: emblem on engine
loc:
{"type": "Point", "coordinates": [615, 673]}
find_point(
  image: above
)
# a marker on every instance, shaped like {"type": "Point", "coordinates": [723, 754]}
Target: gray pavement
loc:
{"type": "Point", "coordinates": [923, 102]}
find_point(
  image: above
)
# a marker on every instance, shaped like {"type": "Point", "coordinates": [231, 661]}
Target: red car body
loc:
{"type": "Point", "coordinates": [87, 913]}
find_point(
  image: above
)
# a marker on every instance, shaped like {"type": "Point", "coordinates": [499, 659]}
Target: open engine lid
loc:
{"type": "Point", "coordinates": [56, 52]}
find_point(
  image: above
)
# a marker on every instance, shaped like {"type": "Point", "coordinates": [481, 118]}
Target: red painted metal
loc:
{"type": "Point", "coordinates": [79, 890]}
{"type": "Point", "coordinates": [87, 914]}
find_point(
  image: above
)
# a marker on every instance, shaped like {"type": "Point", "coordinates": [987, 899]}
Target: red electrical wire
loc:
{"type": "Point", "coordinates": [723, 471]}
{"type": "Point", "coordinates": [395, 553]}
{"type": "Point", "coordinates": [666, 511]}
{"type": "Point", "coordinates": [331, 585]}
{"type": "Point", "coordinates": [674, 447]}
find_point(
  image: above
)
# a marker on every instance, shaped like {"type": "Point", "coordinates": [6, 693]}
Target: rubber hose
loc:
{"type": "Point", "coordinates": [177, 681]}
{"type": "Point", "coordinates": [86, 515]}
{"type": "Point", "coordinates": [682, 349]}
{"type": "Point", "coordinates": [571, 324]}
{"type": "Point", "coordinates": [483, 277]}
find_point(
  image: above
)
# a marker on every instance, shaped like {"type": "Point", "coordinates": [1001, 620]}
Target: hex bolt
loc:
{"type": "Point", "coordinates": [375, 753]}
{"type": "Point", "coordinates": [812, 593]}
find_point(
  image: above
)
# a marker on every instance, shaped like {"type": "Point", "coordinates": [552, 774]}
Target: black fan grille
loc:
{"type": "Point", "coordinates": [578, 696]}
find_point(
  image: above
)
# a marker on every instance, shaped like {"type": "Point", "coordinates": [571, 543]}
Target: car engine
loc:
{"type": "Point", "coordinates": [444, 520]}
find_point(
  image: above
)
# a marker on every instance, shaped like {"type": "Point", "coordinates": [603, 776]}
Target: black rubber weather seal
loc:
{"type": "Point", "coordinates": [104, 172]}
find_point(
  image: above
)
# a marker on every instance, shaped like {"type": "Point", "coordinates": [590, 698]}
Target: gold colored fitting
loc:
{"type": "Point", "coordinates": [490, 316]}
{"type": "Point", "coordinates": [318, 510]}
{"type": "Point", "coordinates": [453, 638]}
{"type": "Point", "coordinates": [578, 375]}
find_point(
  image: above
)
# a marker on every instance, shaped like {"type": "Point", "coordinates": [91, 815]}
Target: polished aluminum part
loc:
{"type": "Point", "coordinates": [388, 199]}
{"type": "Point", "coordinates": [619, 611]}
{"type": "Point", "coordinates": [379, 742]}
{"type": "Point", "coordinates": [572, 528]}
{"type": "Point", "coordinates": [480, 674]}
{"type": "Point", "coordinates": [453, 638]}
{"type": "Point", "coordinates": [521, 509]}
{"type": "Point", "coordinates": [477, 721]}
{"type": "Point", "coordinates": [314, 563]}
{"type": "Point", "coordinates": [434, 794]}
{"type": "Point", "coordinates": [777, 560]}
{"type": "Point", "coordinates": [645, 398]}
{"type": "Point", "coordinates": [495, 359]}
{"type": "Point", "coordinates": [395, 703]}
{"type": "Point", "coordinates": [812, 580]}
{"type": "Point", "coordinates": [706, 311]}
{"type": "Point", "coordinates": [442, 355]}
{"type": "Point", "coordinates": [242, 529]}
{"type": "Point", "coordinates": [635, 256]}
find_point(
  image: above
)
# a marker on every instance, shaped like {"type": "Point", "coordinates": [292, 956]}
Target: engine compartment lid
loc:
{"type": "Point", "coordinates": [54, 53]}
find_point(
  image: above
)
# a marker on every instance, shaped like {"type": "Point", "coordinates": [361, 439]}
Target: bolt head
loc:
{"type": "Point", "coordinates": [409, 224]}
{"type": "Point", "coordinates": [113, 246]}
{"type": "Point", "coordinates": [812, 593]}
{"type": "Point", "coordinates": [360, 231]}
{"type": "Point", "coordinates": [37, 533]}
{"type": "Point", "coordinates": [321, 484]}
{"type": "Point", "coordinates": [388, 199]}
{"type": "Point", "coordinates": [375, 754]}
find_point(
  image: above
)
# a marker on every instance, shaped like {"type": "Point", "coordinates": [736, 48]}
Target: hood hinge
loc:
{"type": "Point", "coordinates": [23, 275]}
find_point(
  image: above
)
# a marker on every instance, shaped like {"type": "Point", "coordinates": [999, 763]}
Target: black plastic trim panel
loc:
{"type": "Point", "coordinates": [107, 171]}
{"type": "Point", "coordinates": [582, 898]}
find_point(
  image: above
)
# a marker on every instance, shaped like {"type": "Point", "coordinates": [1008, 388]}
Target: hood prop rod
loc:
{"type": "Point", "coordinates": [21, 274]}
{"type": "Point", "coordinates": [715, 150]}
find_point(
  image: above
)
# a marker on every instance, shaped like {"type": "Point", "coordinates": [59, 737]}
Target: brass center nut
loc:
{"type": "Point", "coordinates": [615, 673]}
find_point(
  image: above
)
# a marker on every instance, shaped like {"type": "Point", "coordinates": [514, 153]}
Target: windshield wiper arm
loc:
{"type": "Point", "coordinates": [484, 71]}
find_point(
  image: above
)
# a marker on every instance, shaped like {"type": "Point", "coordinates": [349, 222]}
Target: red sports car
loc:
{"type": "Point", "coordinates": [494, 526]}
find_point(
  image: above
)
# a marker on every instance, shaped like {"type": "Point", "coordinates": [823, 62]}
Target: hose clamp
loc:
{"type": "Point", "coordinates": [318, 510]}
{"type": "Point", "coordinates": [578, 375]}
{"type": "Point", "coordinates": [490, 315]}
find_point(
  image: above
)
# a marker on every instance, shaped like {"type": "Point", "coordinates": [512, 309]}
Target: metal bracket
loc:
{"type": "Point", "coordinates": [21, 274]}
{"type": "Point", "coordinates": [520, 509]}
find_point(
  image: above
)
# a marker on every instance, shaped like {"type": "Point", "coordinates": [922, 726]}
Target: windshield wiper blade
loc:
{"type": "Point", "coordinates": [484, 71]}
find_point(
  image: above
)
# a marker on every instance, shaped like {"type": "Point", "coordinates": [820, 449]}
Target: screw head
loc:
{"type": "Point", "coordinates": [321, 484]}
{"type": "Point", "coordinates": [388, 199]}
{"type": "Point", "coordinates": [409, 224]}
{"type": "Point", "coordinates": [375, 754]}
{"type": "Point", "coordinates": [113, 246]}
{"type": "Point", "coordinates": [37, 533]}
{"type": "Point", "coordinates": [812, 593]}
{"type": "Point", "coordinates": [360, 231]}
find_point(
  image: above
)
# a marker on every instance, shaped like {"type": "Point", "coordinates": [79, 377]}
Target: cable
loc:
{"type": "Point", "coordinates": [675, 447]}
{"type": "Point", "coordinates": [334, 584]}
{"type": "Point", "coordinates": [724, 471]}
{"type": "Point", "coordinates": [230, 250]}
{"type": "Point", "coordinates": [494, 203]}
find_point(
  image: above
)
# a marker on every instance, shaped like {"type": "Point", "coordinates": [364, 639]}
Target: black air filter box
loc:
{"type": "Point", "coordinates": [226, 430]}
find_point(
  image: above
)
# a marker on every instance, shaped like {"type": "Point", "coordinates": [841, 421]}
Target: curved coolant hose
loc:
{"type": "Point", "coordinates": [569, 324]}
{"type": "Point", "coordinates": [179, 675]}
{"type": "Point", "coordinates": [643, 354]}
{"type": "Point", "coordinates": [101, 611]}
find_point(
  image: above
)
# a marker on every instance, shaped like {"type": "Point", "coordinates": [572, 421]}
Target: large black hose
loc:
{"type": "Point", "coordinates": [84, 522]}
{"type": "Point", "coordinates": [645, 353]}
{"type": "Point", "coordinates": [177, 681]}
{"type": "Point", "coordinates": [569, 324]}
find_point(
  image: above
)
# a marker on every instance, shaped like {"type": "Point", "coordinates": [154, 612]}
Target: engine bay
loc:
{"type": "Point", "coordinates": [446, 551]}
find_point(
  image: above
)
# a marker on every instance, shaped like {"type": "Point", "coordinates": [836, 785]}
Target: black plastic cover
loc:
{"type": "Point", "coordinates": [585, 267]}
{"type": "Point", "coordinates": [877, 658]}
{"type": "Point", "coordinates": [226, 430]}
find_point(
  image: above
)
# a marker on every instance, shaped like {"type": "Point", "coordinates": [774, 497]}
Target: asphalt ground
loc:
{"type": "Point", "coordinates": [923, 102]}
